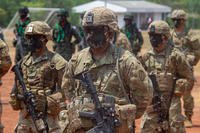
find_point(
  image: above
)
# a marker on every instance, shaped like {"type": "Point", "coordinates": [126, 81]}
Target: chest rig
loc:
{"type": "Point", "coordinates": [104, 74]}
{"type": "Point", "coordinates": [162, 66]}
{"type": "Point", "coordinates": [40, 74]}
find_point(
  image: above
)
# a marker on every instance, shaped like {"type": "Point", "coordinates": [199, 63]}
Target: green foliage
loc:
{"type": "Point", "coordinates": [8, 8]}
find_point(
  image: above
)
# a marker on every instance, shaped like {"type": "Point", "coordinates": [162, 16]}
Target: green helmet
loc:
{"type": "Point", "coordinates": [100, 16]}
{"type": "Point", "coordinates": [128, 16]}
{"type": "Point", "coordinates": [179, 14]}
{"type": "Point", "coordinates": [159, 27]}
{"type": "Point", "coordinates": [63, 12]}
{"type": "Point", "coordinates": [38, 28]}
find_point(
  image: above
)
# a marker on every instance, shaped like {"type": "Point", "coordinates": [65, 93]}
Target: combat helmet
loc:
{"type": "Point", "coordinates": [38, 28]}
{"type": "Point", "coordinates": [100, 16]}
{"type": "Point", "coordinates": [159, 27]}
{"type": "Point", "coordinates": [63, 12]}
{"type": "Point", "coordinates": [179, 14]}
{"type": "Point", "coordinates": [128, 17]}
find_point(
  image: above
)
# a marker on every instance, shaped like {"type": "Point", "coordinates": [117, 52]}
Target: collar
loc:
{"type": "Point", "coordinates": [31, 60]}
{"type": "Point", "coordinates": [87, 63]}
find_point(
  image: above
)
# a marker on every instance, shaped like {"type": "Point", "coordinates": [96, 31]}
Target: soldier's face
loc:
{"type": "Point", "coordinates": [61, 18]}
{"type": "Point", "coordinates": [157, 41]}
{"type": "Point", "coordinates": [36, 42]}
{"type": "Point", "coordinates": [128, 22]}
{"type": "Point", "coordinates": [179, 23]}
{"type": "Point", "coordinates": [97, 37]}
{"type": "Point", "coordinates": [22, 15]}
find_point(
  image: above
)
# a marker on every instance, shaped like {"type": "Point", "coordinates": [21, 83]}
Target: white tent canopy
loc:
{"type": "Point", "coordinates": [90, 5]}
{"type": "Point", "coordinates": [122, 6]}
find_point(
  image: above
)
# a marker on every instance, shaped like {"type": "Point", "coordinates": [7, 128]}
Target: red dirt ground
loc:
{"type": "Point", "coordinates": [10, 117]}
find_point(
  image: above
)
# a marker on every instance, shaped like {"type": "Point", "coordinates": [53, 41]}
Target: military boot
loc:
{"type": "Point", "coordinates": [188, 122]}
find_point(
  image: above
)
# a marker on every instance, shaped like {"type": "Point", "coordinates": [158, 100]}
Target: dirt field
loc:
{"type": "Point", "coordinates": [10, 117]}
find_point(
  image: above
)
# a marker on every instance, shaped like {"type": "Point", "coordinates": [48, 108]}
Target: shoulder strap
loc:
{"type": "Point", "coordinates": [119, 76]}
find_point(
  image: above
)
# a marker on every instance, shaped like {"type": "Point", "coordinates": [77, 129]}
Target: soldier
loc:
{"type": "Point", "coordinates": [133, 34]}
{"type": "Point", "coordinates": [62, 35]}
{"type": "Point", "coordinates": [115, 72]}
{"type": "Point", "coordinates": [42, 72]}
{"type": "Point", "coordinates": [5, 64]}
{"type": "Point", "coordinates": [189, 45]}
{"type": "Point", "coordinates": [20, 42]}
{"type": "Point", "coordinates": [169, 72]}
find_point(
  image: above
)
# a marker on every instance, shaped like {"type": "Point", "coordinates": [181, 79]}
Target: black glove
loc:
{"type": "Point", "coordinates": [14, 42]}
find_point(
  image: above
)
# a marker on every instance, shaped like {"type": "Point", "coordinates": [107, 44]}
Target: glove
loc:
{"type": "Point", "coordinates": [54, 47]}
{"type": "Point", "coordinates": [14, 42]}
{"type": "Point", "coordinates": [14, 102]}
{"type": "Point", "coordinates": [40, 103]}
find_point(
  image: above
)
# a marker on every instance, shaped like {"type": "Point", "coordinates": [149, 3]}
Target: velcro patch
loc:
{"type": "Point", "coordinates": [30, 28]}
{"type": "Point", "coordinates": [90, 18]}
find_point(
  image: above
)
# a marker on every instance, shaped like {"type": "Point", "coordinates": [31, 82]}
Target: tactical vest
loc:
{"type": "Point", "coordinates": [160, 65]}
{"type": "Point", "coordinates": [40, 75]}
{"type": "Point", "coordinates": [105, 77]}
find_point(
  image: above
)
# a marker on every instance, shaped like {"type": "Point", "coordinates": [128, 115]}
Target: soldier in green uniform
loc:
{"type": "Point", "coordinates": [170, 74]}
{"type": "Point", "coordinates": [63, 35]}
{"type": "Point", "coordinates": [133, 34]}
{"type": "Point", "coordinates": [5, 64]}
{"type": "Point", "coordinates": [115, 72]}
{"type": "Point", "coordinates": [42, 72]}
{"type": "Point", "coordinates": [20, 42]}
{"type": "Point", "coordinates": [190, 46]}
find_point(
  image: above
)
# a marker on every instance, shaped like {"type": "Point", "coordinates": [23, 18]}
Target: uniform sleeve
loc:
{"type": "Point", "coordinates": [76, 36]}
{"type": "Point", "coordinates": [138, 84]}
{"type": "Point", "coordinates": [184, 69]}
{"type": "Point", "coordinates": [185, 77]}
{"type": "Point", "coordinates": [5, 60]}
{"type": "Point", "coordinates": [68, 83]}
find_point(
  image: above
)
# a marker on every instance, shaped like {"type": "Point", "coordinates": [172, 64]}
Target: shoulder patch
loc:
{"type": "Point", "coordinates": [59, 61]}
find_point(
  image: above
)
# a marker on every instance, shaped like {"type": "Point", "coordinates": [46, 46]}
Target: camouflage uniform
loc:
{"type": "Point", "coordinates": [63, 32]}
{"type": "Point", "coordinates": [166, 65]}
{"type": "Point", "coordinates": [42, 76]}
{"type": "Point", "coordinates": [122, 41]}
{"type": "Point", "coordinates": [133, 34]}
{"type": "Point", "coordinates": [5, 64]}
{"type": "Point", "coordinates": [21, 43]}
{"type": "Point", "coordinates": [189, 45]}
{"type": "Point", "coordinates": [105, 73]}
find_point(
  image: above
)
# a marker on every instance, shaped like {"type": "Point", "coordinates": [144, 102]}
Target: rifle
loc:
{"type": "Point", "coordinates": [158, 104]}
{"type": "Point", "coordinates": [29, 100]}
{"type": "Point", "coordinates": [104, 114]}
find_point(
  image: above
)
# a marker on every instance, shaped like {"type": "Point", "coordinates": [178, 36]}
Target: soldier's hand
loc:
{"type": "Point", "coordinates": [63, 115]}
{"type": "Point", "coordinates": [14, 42]}
{"type": "Point", "coordinates": [40, 103]}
